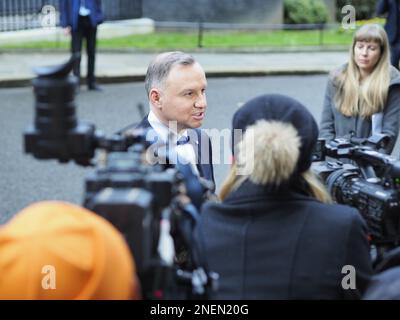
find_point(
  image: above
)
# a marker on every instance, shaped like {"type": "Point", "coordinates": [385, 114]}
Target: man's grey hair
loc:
{"type": "Point", "coordinates": [161, 65]}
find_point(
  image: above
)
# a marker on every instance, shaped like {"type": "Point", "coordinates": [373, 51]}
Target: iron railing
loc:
{"type": "Point", "coordinates": [202, 27]}
{"type": "Point", "coordinates": [30, 14]}
{"type": "Point", "coordinates": [26, 14]}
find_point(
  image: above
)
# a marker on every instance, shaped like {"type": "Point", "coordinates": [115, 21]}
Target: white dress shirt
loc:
{"type": "Point", "coordinates": [185, 151]}
{"type": "Point", "coordinates": [83, 11]}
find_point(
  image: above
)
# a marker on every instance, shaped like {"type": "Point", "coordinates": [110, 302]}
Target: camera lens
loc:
{"type": "Point", "coordinates": [54, 105]}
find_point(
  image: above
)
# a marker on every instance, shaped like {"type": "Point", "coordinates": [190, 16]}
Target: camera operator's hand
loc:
{"type": "Point", "coordinates": [209, 194]}
{"type": "Point", "coordinates": [182, 198]}
{"type": "Point", "coordinates": [67, 31]}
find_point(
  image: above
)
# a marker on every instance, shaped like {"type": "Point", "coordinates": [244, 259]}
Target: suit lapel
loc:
{"type": "Point", "coordinates": [75, 6]}
{"type": "Point", "coordinates": [195, 141]}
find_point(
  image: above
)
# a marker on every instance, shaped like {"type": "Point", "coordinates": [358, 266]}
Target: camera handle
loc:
{"type": "Point", "coordinates": [202, 282]}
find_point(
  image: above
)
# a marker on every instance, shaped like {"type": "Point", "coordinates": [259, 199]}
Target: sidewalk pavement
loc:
{"type": "Point", "coordinates": [131, 65]}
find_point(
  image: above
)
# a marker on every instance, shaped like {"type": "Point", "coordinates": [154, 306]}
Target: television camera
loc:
{"type": "Point", "coordinates": [357, 174]}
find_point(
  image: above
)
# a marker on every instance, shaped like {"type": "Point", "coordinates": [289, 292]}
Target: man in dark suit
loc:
{"type": "Point", "coordinates": [80, 18]}
{"type": "Point", "coordinates": [391, 9]}
{"type": "Point", "coordinates": [176, 86]}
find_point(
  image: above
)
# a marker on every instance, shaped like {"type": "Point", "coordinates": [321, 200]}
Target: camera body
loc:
{"type": "Point", "coordinates": [123, 186]}
{"type": "Point", "coordinates": [356, 174]}
{"type": "Point", "coordinates": [152, 205]}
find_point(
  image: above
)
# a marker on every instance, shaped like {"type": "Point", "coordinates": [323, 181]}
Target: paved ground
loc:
{"type": "Point", "coordinates": [130, 64]}
{"type": "Point", "coordinates": [16, 67]}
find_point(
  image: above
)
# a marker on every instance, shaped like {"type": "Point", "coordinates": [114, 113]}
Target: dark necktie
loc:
{"type": "Point", "coordinates": [183, 140]}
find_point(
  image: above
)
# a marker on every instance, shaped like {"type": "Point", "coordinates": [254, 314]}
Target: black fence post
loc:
{"type": "Point", "coordinates": [200, 35]}
{"type": "Point", "coordinates": [321, 34]}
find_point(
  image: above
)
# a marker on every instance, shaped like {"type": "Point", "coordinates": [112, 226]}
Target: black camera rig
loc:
{"type": "Point", "coordinates": [360, 176]}
{"type": "Point", "coordinates": [155, 206]}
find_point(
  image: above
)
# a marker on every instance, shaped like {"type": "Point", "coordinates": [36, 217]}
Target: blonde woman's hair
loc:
{"type": "Point", "coordinates": [317, 188]}
{"type": "Point", "coordinates": [353, 99]}
{"type": "Point", "coordinates": [268, 154]}
{"type": "Point", "coordinates": [230, 184]}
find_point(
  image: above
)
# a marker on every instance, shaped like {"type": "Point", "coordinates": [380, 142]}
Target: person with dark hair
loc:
{"type": "Point", "coordinates": [275, 235]}
{"type": "Point", "coordinates": [80, 19]}
{"type": "Point", "coordinates": [54, 250]}
{"type": "Point", "coordinates": [391, 8]}
{"type": "Point", "coordinates": [176, 88]}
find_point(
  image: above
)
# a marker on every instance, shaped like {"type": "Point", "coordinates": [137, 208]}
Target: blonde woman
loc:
{"type": "Point", "coordinates": [273, 237]}
{"type": "Point", "coordinates": [363, 97]}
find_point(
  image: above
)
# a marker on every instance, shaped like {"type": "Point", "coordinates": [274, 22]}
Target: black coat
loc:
{"type": "Point", "coordinates": [201, 145]}
{"type": "Point", "coordinates": [391, 8]}
{"type": "Point", "coordinates": [283, 245]}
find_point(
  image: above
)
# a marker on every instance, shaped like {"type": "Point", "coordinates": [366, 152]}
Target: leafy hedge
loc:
{"type": "Point", "coordinates": [305, 11]}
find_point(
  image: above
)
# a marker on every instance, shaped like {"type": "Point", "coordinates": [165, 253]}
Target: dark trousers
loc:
{"type": "Point", "coordinates": [395, 54]}
{"type": "Point", "coordinates": [87, 31]}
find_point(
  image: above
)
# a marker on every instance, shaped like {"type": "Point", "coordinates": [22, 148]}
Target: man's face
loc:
{"type": "Point", "coordinates": [183, 97]}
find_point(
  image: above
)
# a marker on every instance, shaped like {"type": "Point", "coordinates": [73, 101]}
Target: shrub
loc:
{"type": "Point", "coordinates": [305, 11]}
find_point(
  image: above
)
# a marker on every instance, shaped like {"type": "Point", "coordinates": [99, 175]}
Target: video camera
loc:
{"type": "Point", "coordinates": [155, 206]}
{"type": "Point", "coordinates": [360, 176]}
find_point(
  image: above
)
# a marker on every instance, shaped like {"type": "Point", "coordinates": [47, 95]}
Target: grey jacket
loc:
{"type": "Point", "coordinates": [335, 124]}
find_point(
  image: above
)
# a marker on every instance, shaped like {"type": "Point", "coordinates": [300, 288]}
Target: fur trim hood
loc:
{"type": "Point", "coordinates": [269, 152]}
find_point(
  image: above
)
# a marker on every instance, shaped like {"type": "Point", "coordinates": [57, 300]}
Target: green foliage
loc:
{"type": "Point", "coordinates": [365, 9]}
{"type": "Point", "coordinates": [305, 11]}
{"type": "Point", "coordinates": [167, 41]}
